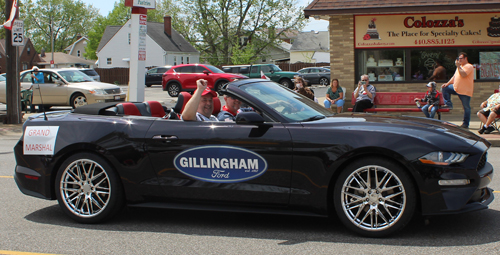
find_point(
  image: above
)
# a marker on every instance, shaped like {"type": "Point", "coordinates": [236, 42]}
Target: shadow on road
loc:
{"type": "Point", "coordinates": [454, 230]}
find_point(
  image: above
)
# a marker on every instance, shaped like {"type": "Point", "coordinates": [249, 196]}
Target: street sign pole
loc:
{"type": "Point", "coordinates": [138, 36]}
{"type": "Point", "coordinates": [13, 97]}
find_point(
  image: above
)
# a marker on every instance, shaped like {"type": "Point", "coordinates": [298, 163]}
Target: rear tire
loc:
{"type": "Point", "coordinates": [88, 189]}
{"type": "Point", "coordinates": [323, 81]}
{"type": "Point", "coordinates": [374, 197]}
{"type": "Point", "coordinates": [287, 83]}
{"type": "Point", "coordinates": [174, 89]}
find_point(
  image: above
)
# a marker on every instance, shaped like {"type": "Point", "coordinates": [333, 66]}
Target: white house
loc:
{"type": "Point", "coordinates": [77, 49]}
{"type": "Point", "coordinates": [164, 46]}
{"type": "Point", "coordinates": [311, 47]}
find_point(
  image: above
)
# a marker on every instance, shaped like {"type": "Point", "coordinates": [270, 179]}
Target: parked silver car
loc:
{"type": "Point", "coordinates": [316, 75]}
{"type": "Point", "coordinates": [66, 87]}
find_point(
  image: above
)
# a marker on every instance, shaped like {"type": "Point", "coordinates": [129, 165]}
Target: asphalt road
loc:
{"type": "Point", "coordinates": [29, 224]}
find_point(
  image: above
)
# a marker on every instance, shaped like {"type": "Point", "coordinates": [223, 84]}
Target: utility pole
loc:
{"type": "Point", "coordinates": [12, 72]}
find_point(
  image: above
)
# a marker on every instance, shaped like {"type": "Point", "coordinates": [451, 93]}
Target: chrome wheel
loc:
{"type": "Point", "coordinates": [374, 197]}
{"type": "Point", "coordinates": [323, 81]}
{"type": "Point", "coordinates": [174, 89]}
{"type": "Point", "coordinates": [88, 189]}
{"type": "Point", "coordinates": [78, 100]}
{"type": "Point", "coordinates": [85, 188]}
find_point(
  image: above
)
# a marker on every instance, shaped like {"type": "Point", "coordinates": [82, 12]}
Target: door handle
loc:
{"type": "Point", "coordinates": [165, 137]}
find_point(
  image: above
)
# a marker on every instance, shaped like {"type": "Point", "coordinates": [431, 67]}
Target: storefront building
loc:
{"type": "Point", "coordinates": [398, 46]}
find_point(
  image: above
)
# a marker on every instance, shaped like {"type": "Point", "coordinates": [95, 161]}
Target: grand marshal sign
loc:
{"type": "Point", "coordinates": [427, 30]}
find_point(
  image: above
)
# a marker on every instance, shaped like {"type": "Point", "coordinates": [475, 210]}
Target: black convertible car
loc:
{"type": "Point", "coordinates": [288, 155]}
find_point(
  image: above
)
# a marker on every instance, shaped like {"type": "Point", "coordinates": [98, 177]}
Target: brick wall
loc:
{"type": "Point", "coordinates": [342, 50]}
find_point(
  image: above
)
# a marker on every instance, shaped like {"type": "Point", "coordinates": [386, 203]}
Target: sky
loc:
{"type": "Point", "coordinates": [105, 6]}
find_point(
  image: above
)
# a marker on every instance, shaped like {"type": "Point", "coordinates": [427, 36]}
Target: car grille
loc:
{"type": "Point", "coordinates": [482, 161]}
{"type": "Point", "coordinates": [113, 91]}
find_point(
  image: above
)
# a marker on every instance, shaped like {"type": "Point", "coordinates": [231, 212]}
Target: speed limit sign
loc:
{"type": "Point", "coordinates": [18, 33]}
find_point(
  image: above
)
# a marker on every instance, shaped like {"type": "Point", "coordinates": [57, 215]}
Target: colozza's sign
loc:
{"type": "Point", "coordinates": [410, 22]}
{"type": "Point", "coordinates": [427, 30]}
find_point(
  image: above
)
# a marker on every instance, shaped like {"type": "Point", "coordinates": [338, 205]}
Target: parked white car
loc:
{"type": "Point", "coordinates": [66, 87]}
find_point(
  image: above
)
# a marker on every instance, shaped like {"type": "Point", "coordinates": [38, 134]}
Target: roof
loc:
{"type": "Point", "coordinates": [342, 7]}
{"type": "Point", "coordinates": [72, 46]}
{"type": "Point", "coordinates": [312, 41]}
{"type": "Point", "coordinates": [109, 32]}
{"type": "Point", "coordinates": [174, 43]}
{"type": "Point", "coordinates": [63, 58]}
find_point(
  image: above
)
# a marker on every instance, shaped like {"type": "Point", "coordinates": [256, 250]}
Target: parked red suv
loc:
{"type": "Point", "coordinates": [183, 78]}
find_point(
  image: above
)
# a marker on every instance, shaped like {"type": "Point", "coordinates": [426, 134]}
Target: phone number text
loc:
{"type": "Point", "coordinates": [435, 41]}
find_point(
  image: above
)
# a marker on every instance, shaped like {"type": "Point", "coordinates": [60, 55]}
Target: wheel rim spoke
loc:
{"type": "Point", "coordinates": [85, 188]}
{"type": "Point", "coordinates": [373, 198]}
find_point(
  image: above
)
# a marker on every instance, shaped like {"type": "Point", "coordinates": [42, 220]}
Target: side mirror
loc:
{"type": "Point", "coordinates": [206, 72]}
{"type": "Point", "coordinates": [249, 118]}
{"type": "Point", "coordinates": [59, 82]}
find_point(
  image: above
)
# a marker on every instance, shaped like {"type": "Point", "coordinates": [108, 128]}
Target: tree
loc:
{"type": "Point", "coordinates": [117, 17]}
{"type": "Point", "coordinates": [64, 19]}
{"type": "Point", "coordinates": [220, 28]}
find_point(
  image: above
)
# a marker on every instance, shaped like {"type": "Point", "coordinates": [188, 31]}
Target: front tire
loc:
{"type": "Point", "coordinates": [88, 189]}
{"type": "Point", "coordinates": [374, 197]}
{"type": "Point", "coordinates": [287, 83]}
{"type": "Point", "coordinates": [174, 89]}
{"type": "Point", "coordinates": [78, 100]}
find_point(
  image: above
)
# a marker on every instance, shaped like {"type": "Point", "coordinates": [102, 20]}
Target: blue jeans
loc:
{"type": "Point", "coordinates": [425, 110]}
{"type": "Point", "coordinates": [339, 103]}
{"type": "Point", "coordinates": [447, 92]}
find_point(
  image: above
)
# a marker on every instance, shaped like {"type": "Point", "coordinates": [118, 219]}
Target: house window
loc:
{"type": "Point", "coordinates": [28, 50]}
{"type": "Point", "coordinates": [182, 60]}
{"type": "Point", "coordinates": [264, 60]}
{"type": "Point", "coordinates": [129, 38]}
{"type": "Point", "coordinates": [175, 60]}
{"type": "Point", "coordinates": [25, 66]}
{"type": "Point", "coordinates": [108, 61]}
{"type": "Point", "coordinates": [187, 60]}
{"type": "Point", "coordinates": [78, 53]}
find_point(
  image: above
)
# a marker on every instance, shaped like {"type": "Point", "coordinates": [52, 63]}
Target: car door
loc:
{"type": "Point", "coordinates": [50, 92]}
{"type": "Point", "coordinates": [151, 76]}
{"type": "Point", "coordinates": [199, 70]}
{"type": "Point", "coordinates": [314, 75]}
{"type": "Point", "coordinates": [168, 139]}
{"type": "Point", "coordinates": [187, 77]}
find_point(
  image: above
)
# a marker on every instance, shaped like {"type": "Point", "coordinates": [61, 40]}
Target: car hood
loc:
{"type": "Point", "coordinates": [419, 128]}
{"type": "Point", "coordinates": [93, 85]}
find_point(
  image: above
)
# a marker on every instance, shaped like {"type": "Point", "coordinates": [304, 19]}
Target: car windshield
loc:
{"type": "Point", "coordinates": [289, 104]}
{"type": "Point", "coordinates": [91, 72]}
{"type": "Point", "coordinates": [75, 76]}
{"type": "Point", "coordinates": [275, 68]}
{"type": "Point", "coordinates": [214, 69]}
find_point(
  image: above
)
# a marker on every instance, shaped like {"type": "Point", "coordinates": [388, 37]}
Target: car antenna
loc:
{"type": "Point", "coordinates": [41, 100]}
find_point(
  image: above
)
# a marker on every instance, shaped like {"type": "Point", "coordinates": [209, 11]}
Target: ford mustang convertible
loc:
{"type": "Point", "coordinates": [283, 154]}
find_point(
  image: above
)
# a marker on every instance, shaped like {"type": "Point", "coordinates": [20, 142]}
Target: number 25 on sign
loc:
{"type": "Point", "coordinates": [18, 33]}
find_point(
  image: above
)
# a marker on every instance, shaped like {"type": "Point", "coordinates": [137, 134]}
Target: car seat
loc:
{"type": "Point", "coordinates": [127, 109]}
{"type": "Point", "coordinates": [155, 109]}
{"type": "Point", "coordinates": [182, 100]}
{"type": "Point", "coordinates": [217, 106]}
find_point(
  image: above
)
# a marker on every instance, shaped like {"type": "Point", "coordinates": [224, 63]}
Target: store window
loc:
{"type": "Point", "coordinates": [423, 62]}
{"type": "Point", "coordinates": [382, 65]}
{"type": "Point", "coordinates": [486, 62]}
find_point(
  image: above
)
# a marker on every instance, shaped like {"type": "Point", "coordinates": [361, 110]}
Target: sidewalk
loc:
{"type": "Point", "coordinates": [15, 130]}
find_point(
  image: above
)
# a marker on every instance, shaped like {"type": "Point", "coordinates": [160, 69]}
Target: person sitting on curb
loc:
{"type": "Point", "coordinates": [200, 106]}
{"type": "Point", "coordinates": [334, 95]}
{"type": "Point", "coordinates": [229, 110]}
{"type": "Point", "coordinates": [300, 87]}
{"type": "Point", "coordinates": [491, 109]}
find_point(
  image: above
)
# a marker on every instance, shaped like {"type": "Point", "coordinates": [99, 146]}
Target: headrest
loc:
{"type": "Point", "coordinates": [155, 108]}
{"type": "Point", "coordinates": [182, 100]}
{"type": "Point", "coordinates": [128, 109]}
{"type": "Point", "coordinates": [217, 106]}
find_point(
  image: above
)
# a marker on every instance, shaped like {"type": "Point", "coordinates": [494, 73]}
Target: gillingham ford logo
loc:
{"type": "Point", "coordinates": [220, 164]}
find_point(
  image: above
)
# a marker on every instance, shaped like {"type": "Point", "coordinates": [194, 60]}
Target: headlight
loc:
{"type": "Point", "coordinates": [443, 158]}
{"type": "Point", "coordinates": [98, 92]}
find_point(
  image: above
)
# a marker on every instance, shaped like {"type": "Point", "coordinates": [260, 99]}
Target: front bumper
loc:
{"type": "Point", "coordinates": [92, 99]}
{"type": "Point", "coordinates": [460, 199]}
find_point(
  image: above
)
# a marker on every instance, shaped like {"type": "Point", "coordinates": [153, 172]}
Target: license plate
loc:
{"type": "Point", "coordinates": [117, 98]}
